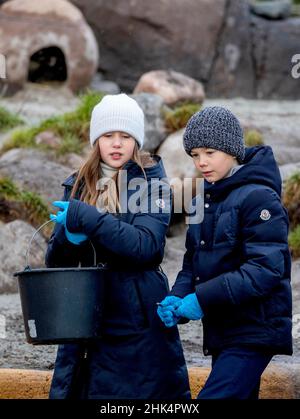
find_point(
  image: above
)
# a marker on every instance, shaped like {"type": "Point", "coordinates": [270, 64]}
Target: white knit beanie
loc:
{"type": "Point", "coordinates": [117, 113]}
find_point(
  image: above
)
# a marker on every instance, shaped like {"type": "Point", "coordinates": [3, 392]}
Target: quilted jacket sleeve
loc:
{"type": "Point", "coordinates": [184, 281]}
{"type": "Point", "coordinates": [142, 240]}
{"type": "Point", "coordinates": [265, 253]}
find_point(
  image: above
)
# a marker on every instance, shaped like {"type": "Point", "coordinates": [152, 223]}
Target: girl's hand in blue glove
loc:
{"type": "Point", "coordinates": [166, 310]}
{"type": "Point", "coordinates": [61, 217]}
{"type": "Point", "coordinates": [189, 308]}
{"type": "Point", "coordinates": [75, 238]}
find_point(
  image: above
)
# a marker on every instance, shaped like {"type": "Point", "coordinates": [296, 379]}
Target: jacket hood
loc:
{"type": "Point", "coordinates": [156, 170]}
{"type": "Point", "coordinates": [259, 166]}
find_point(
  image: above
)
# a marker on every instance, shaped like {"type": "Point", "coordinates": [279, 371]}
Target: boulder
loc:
{"type": "Point", "coordinates": [48, 138]}
{"type": "Point", "coordinates": [48, 40]}
{"type": "Point", "coordinates": [286, 155]}
{"type": "Point", "coordinates": [155, 130]}
{"type": "Point", "coordinates": [287, 170]}
{"type": "Point", "coordinates": [72, 160]}
{"type": "Point", "coordinates": [172, 86]}
{"type": "Point", "coordinates": [221, 44]}
{"type": "Point", "coordinates": [180, 171]}
{"type": "Point", "coordinates": [138, 36]}
{"type": "Point", "coordinates": [232, 70]}
{"type": "Point", "coordinates": [37, 102]}
{"type": "Point", "coordinates": [272, 9]}
{"type": "Point", "coordinates": [274, 43]}
{"type": "Point", "coordinates": [33, 170]}
{"type": "Point", "coordinates": [176, 161]}
{"type": "Point", "coordinates": [98, 84]}
{"type": "Point", "coordinates": [14, 241]}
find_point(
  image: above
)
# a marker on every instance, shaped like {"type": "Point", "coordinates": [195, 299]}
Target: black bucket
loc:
{"type": "Point", "coordinates": [61, 305]}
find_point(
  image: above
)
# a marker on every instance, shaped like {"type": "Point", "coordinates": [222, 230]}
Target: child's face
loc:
{"type": "Point", "coordinates": [116, 148]}
{"type": "Point", "coordinates": [213, 164]}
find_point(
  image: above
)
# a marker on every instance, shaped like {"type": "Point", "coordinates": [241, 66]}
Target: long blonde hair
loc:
{"type": "Point", "coordinates": [89, 174]}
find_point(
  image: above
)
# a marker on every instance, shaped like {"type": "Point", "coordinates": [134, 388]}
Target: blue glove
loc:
{"type": "Point", "coordinates": [189, 308]}
{"type": "Point", "coordinates": [166, 310]}
{"type": "Point", "coordinates": [61, 218]}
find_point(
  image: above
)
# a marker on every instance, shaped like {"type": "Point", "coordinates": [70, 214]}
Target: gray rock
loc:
{"type": "Point", "coordinates": [31, 27]}
{"type": "Point", "coordinates": [139, 36]}
{"type": "Point", "coordinates": [155, 131]}
{"type": "Point", "coordinates": [98, 84]}
{"type": "Point", "coordinates": [35, 102]}
{"type": "Point", "coordinates": [286, 155]}
{"type": "Point", "coordinates": [48, 138]}
{"type": "Point", "coordinates": [232, 70]}
{"type": "Point", "coordinates": [177, 163]}
{"type": "Point", "coordinates": [180, 171]}
{"type": "Point", "coordinates": [14, 242]}
{"type": "Point", "coordinates": [172, 86]}
{"type": "Point", "coordinates": [275, 9]}
{"type": "Point", "coordinates": [287, 170]}
{"type": "Point", "coordinates": [71, 160]}
{"type": "Point", "coordinates": [32, 170]}
{"type": "Point", "coordinates": [221, 44]}
{"type": "Point", "coordinates": [273, 46]}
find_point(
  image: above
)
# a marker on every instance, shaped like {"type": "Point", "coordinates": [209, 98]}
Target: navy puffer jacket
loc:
{"type": "Point", "coordinates": [238, 261]}
{"type": "Point", "coordinates": [137, 356]}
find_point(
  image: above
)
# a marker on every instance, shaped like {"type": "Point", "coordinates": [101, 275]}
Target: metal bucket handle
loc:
{"type": "Point", "coordinates": [32, 237]}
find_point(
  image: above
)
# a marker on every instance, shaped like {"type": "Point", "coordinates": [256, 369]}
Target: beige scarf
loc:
{"type": "Point", "coordinates": [107, 199]}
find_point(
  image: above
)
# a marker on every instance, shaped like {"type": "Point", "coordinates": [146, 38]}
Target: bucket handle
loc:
{"type": "Point", "coordinates": [32, 237]}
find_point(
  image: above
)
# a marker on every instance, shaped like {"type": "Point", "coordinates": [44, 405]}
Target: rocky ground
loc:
{"type": "Point", "coordinates": [271, 117]}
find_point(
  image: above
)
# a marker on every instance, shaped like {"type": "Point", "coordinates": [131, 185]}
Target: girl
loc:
{"type": "Point", "coordinates": [136, 356]}
{"type": "Point", "coordinates": [236, 269]}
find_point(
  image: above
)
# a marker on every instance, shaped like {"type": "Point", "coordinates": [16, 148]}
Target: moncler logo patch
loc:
{"type": "Point", "coordinates": [160, 203]}
{"type": "Point", "coordinates": [265, 215]}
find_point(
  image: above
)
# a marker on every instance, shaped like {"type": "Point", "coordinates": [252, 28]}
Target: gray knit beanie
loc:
{"type": "Point", "coordinates": [215, 127]}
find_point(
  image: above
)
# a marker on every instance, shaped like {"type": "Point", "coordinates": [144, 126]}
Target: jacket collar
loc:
{"type": "Point", "coordinates": [157, 170]}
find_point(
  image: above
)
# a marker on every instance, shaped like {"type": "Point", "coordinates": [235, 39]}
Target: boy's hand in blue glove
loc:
{"type": "Point", "coordinates": [61, 217]}
{"type": "Point", "coordinates": [166, 310]}
{"type": "Point", "coordinates": [189, 308]}
{"type": "Point", "coordinates": [171, 301]}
